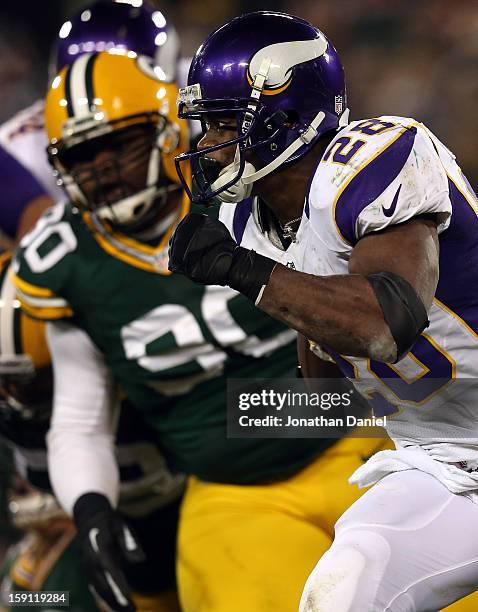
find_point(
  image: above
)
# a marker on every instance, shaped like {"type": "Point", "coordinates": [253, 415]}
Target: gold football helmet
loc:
{"type": "Point", "coordinates": [91, 105]}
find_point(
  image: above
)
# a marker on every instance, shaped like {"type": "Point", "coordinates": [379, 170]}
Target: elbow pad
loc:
{"type": "Point", "coordinates": [403, 309]}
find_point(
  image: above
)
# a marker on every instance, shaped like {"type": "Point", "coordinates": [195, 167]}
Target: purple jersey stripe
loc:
{"type": "Point", "coordinates": [458, 283]}
{"type": "Point", "coordinates": [17, 187]}
{"type": "Point", "coordinates": [241, 216]}
{"type": "Point", "coordinates": [367, 185]}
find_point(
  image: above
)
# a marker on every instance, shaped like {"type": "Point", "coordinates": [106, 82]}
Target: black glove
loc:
{"type": "Point", "coordinates": [106, 540]}
{"type": "Point", "coordinates": [202, 249]}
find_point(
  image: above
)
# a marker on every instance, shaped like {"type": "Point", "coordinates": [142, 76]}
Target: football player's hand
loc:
{"type": "Point", "coordinates": [202, 249]}
{"type": "Point", "coordinates": [106, 540]}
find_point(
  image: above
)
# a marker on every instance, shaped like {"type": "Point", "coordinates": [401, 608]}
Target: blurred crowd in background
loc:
{"type": "Point", "coordinates": [405, 57]}
{"type": "Point", "coordinates": [402, 57]}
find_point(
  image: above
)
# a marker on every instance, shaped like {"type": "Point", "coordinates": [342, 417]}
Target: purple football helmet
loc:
{"type": "Point", "coordinates": [282, 80]}
{"type": "Point", "coordinates": [123, 26]}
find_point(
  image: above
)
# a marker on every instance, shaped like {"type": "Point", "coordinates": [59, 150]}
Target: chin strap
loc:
{"type": "Point", "coordinates": [242, 188]}
{"type": "Point", "coordinates": [304, 138]}
{"type": "Point", "coordinates": [239, 190]}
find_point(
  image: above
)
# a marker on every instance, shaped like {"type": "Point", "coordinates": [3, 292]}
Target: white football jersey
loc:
{"type": "Point", "coordinates": [376, 173]}
{"type": "Point", "coordinates": [24, 138]}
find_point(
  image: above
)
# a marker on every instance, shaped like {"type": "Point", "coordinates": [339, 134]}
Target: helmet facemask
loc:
{"type": "Point", "coordinates": [113, 169]}
{"type": "Point", "coordinates": [259, 131]}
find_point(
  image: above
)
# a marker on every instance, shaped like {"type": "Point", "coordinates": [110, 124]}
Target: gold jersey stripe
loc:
{"type": "Point", "coordinates": [30, 289]}
{"type": "Point", "coordinates": [129, 259]}
{"type": "Point", "coordinates": [145, 253]}
{"type": "Point", "coordinates": [36, 302]}
{"type": "Point", "coordinates": [46, 314]}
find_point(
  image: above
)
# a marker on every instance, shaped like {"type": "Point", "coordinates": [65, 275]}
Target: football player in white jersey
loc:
{"type": "Point", "coordinates": [28, 185]}
{"type": "Point", "coordinates": [376, 231]}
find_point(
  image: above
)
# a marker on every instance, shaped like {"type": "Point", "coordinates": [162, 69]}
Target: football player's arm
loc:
{"type": "Point", "coordinates": [379, 309]}
{"type": "Point", "coordinates": [376, 311]}
{"type": "Point", "coordinates": [82, 462]}
{"type": "Point", "coordinates": [343, 311]}
{"type": "Point", "coordinates": [81, 438]}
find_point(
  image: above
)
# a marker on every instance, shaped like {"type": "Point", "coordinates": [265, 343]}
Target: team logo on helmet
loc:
{"type": "Point", "coordinates": [150, 68]}
{"type": "Point", "coordinates": [284, 57]}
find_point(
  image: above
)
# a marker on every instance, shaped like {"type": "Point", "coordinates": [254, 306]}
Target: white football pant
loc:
{"type": "Point", "coordinates": [407, 545]}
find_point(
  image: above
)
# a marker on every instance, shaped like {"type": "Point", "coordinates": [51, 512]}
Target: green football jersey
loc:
{"type": "Point", "coordinates": [170, 343]}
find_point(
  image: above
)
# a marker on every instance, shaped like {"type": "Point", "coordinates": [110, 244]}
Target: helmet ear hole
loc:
{"type": "Point", "coordinates": [292, 117]}
{"type": "Point", "coordinates": [276, 120]}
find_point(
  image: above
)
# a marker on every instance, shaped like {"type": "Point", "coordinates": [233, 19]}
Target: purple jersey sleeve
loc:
{"type": "Point", "coordinates": [371, 182]}
{"type": "Point", "coordinates": [17, 188]}
{"type": "Point", "coordinates": [405, 179]}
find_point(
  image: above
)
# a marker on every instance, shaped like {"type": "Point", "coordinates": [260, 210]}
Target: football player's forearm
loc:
{"type": "Point", "coordinates": [81, 454]}
{"type": "Point", "coordinates": [341, 312]}
{"type": "Point", "coordinates": [81, 463]}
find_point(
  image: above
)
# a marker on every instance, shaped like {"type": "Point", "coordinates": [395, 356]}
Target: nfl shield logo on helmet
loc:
{"type": "Point", "coordinates": [339, 105]}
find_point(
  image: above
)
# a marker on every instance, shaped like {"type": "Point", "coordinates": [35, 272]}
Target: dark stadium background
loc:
{"type": "Point", "coordinates": [406, 57]}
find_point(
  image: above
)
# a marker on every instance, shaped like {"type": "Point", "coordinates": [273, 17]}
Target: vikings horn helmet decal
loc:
{"type": "Point", "coordinates": [285, 56]}
{"type": "Point", "coordinates": [281, 80]}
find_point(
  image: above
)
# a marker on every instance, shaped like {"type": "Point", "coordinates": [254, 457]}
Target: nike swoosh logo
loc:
{"type": "Point", "coordinates": [388, 212]}
{"type": "Point", "coordinates": [93, 535]}
{"type": "Point", "coordinates": [129, 541]}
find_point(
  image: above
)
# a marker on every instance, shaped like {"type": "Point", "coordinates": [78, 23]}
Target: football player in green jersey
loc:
{"type": "Point", "coordinates": [96, 270]}
{"type": "Point", "coordinates": [47, 557]}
